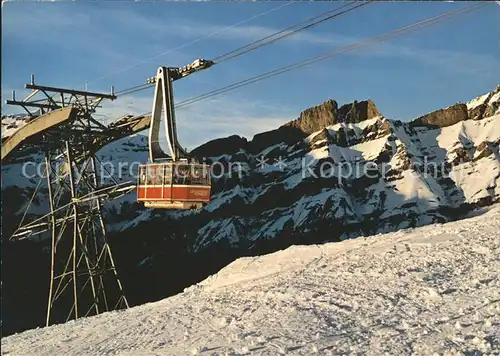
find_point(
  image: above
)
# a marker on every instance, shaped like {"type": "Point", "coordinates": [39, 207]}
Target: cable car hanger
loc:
{"type": "Point", "coordinates": [163, 99]}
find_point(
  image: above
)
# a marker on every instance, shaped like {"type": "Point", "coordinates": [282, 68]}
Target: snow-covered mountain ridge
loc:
{"type": "Point", "coordinates": [347, 168]}
{"type": "Point", "coordinates": [426, 291]}
{"type": "Point", "coordinates": [332, 174]}
{"type": "Point", "coordinates": [355, 173]}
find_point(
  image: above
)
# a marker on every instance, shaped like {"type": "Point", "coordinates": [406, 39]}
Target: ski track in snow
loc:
{"type": "Point", "coordinates": [425, 291]}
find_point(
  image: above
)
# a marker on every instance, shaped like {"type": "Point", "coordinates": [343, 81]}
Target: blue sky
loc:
{"type": "Point", "coordinates": [119, 43]}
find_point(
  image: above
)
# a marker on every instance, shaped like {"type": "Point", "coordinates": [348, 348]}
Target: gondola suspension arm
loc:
{"type": "Point", "coordinates": [163, 100]}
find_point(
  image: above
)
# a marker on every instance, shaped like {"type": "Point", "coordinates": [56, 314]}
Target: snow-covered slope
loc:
{"type": "Point", "coordinates": [485, 105]}
{"type": "Point", "coordinates": [12, 123]}
{"type": "Point", "coordinates": [424, 291]}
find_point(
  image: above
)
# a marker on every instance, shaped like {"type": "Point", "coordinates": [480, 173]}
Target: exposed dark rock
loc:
{"type": "Point", "coordinates": [443, 117]}
{"type": "Point", "coordinates": [379, 129]}
{"type": "Point", "coordinates": [316, 118]}
{"type": "Point", "coordinates": [360, 185]}
{"type": "Point", "coordinates": [327, 114]}
{"type": "Point", "coordinates": [462, 156]}
{"type": "Point", "coordinates": [358, 111]}
{"type": "Point", "coordinates": [392, 175]}
{"type": "Point", "coordinates": [485, 149]}
{"type": "Point", "coordinates": [323, 135]}
{"type": "Point", "coordinates": [384, 128]}
{"type": "Point", "coordinates": [384, 156]}
{"type": "Point", "coordinates": [220, 146]}
{"type": "Point", "coordinates": [486, 109]}
{"type": "Point", "coordinates": [477, 112]}
{"type": "Point", "coordinates": [491, 109]}
{"type": "Point", "coordinates": [286, 134]}
{"type": "Point", "coordinates": [341, 137]}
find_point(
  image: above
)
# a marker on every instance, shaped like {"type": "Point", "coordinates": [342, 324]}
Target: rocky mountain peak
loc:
{"type": "Point", "coordinates": [358, 111]}
{"type": "Point", "coordinates": [309, 121]}
{"type": "Point", "coordinates": [481, 107]}
{"type": "Point", "coordinates": [443, 117]}
{"type": "Point", "coordinates": [318, 117]}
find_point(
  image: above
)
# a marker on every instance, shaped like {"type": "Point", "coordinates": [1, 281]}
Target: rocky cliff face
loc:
{"type": "Point", "coordinates": [341, 173]}
{"type": "Point", "coordinates": [333, 173]}
{"type": "Point", "coordinates": [444, 117]}
{"type": "Point", "coordinates": [327, 114]}
{"type": "Point", "coordinates": [485, 105]}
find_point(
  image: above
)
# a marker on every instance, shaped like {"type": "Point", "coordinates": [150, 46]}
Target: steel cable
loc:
{"type": "Point", "coordinates": [346, 49]}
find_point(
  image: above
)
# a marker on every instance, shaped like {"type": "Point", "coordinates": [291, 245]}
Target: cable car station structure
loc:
{"type": "Point", "coordinates": [83, 275]}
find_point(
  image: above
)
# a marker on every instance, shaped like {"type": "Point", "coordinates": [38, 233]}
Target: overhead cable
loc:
{"type": "Point", "coordinates": [267, 40]}
{"type": "Point", "coordinates": [343, 50]}
{"type": "Point", "coordinates": [284, 34]}
{"type": "Point", "coordinates": [195, 41]}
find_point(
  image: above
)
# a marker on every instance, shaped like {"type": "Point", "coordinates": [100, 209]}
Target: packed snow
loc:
{"type": "Point", "coordinates": [467, 131]}
{"type": "Point", "coordinates": [10, 124]}
{"type": "Point", "coordinates": [480, 100]}
{"type": "Point", "coordinates": [489, 99]}
{"type": "Point", "coordinates": [430, 290]}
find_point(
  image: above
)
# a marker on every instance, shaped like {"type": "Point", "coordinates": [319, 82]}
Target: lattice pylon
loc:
{"type": "Point", "coordinates": [81, 257]}
{"type": "Point", "coordinates": [83, 275]}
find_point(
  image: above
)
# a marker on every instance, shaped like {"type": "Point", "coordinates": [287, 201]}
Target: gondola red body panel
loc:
{"type": "Point", "coordinates": [174, 185]}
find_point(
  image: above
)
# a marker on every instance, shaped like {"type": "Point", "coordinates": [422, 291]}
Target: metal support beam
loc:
{"type": "Point", "coordinates": [53, 233]}
{"type": "Point", "coordinates": [71, 91]}
{"type": "Point", "coordinates": [33, 105]}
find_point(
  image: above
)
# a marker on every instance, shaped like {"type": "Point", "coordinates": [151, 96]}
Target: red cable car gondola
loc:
{"type": "Point", "coordinates": [174, 185]}
{"type": "Point", "coordinates": [173, 182]}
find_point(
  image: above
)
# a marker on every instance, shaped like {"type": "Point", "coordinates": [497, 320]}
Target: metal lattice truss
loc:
{"type": "Point", "coordinates": [78, 235]}
{"type": "Point", "coordinates": [44, 99]}
{"type": "Point", "coordinates": [84, 279]}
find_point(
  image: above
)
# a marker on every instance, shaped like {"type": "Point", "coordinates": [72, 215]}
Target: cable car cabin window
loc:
{"type": "Point", "coordinates": [150, 175]}
{"type": "Point", "coordinates": [181, 175]}
{"type": "Point", "coordinates": [142, 175]}
{"type": "Point", "coordinates": [199, 175]}
{"type": "Point", "coordinates": [159, 175]}
{"type": "Point", "coordinates": [168, 174]}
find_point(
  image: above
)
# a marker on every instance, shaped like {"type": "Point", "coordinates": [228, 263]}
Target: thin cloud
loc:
{"type": "Point", "coordinates": [456, 61]}
{"type": "Point", "coordinates": [217, 118]}
{"type": "Point", "coordinates": [224, 117]}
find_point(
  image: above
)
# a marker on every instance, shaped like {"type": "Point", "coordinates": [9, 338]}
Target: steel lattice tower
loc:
{"type": "Point", "coordinates": [83, 274]}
